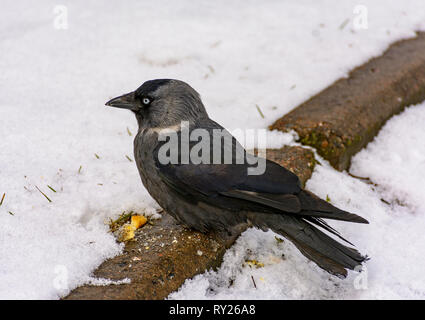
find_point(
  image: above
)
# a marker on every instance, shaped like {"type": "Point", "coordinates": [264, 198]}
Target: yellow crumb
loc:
{"type": "Point", "coordinates": [126, 233]}
{"type": "Point", "coordinates": [137, 221]}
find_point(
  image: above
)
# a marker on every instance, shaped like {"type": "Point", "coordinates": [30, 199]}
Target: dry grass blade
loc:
{"type": "Point", "coordinates": [123, 218]}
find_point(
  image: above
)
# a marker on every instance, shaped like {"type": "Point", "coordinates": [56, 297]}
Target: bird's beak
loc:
{"type": "Point", "coordinates": [126, 101]}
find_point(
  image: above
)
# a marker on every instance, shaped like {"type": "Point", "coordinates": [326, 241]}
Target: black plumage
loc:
{"type": "Point", "coordinates": [220, 196]}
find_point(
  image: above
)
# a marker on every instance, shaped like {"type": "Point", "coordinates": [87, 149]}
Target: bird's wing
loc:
{"type": "Point", "coordinates": [229, 186]}
{"type": "Point", "coordinates": [217, 183]}
{"type": "Point", "coordinates": [209, 181]}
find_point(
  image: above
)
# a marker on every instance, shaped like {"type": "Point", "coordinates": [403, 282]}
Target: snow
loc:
{"type": "Point", "coordinates": [53, 122]}
{"type": "Point", "coordinates": [396, 160]}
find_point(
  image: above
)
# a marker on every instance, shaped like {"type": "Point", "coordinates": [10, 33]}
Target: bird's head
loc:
{"type": "Point", "coordinates": [162, 103]}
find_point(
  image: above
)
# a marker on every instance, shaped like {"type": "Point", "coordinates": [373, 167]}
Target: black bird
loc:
{"type": "Point", "coordinates": [221, 195]}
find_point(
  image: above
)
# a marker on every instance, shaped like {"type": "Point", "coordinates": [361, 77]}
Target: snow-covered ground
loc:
{"type": "Point", "coordinates": [55, 131]}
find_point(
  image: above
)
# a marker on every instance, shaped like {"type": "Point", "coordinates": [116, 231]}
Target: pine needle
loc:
{"type": "Point", "coordinates": [211, 69]}
{"type": "Point", "coordinates": [253, 281]}
{"type": "Point", "coordinates": [129, 159]}
{"type": "Point", "coordinates": [129, 132]}
{"type": "Point", "coordinates": [51, 188]}
{"type": "Point", "coordinates": [342, 26]}
{"type": "Point", "coordinates": [11, 213]}
{"type": "Point", "coordinates": [2, 198]}
{"type": "Point", "coordinates": [48, 199]}
{"type": "Point", "coordinates": [97, 156]}
{"type": "Point", "coordinates": [79, 170]}
{"type": "Point", "coordinates": [259, 111]}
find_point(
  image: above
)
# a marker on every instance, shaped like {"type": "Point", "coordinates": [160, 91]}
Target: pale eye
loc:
{"type": "Point", "coordinates": [146, 101]}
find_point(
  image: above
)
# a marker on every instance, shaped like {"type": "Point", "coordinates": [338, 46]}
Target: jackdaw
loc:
{"type": "Point", "coordinates": [216, 194]}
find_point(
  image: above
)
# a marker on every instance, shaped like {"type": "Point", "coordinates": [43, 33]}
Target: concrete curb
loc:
{"type": "Point", "coordinates": [165, 254]}
{"type": "Point", "coordinates": [342, 119]}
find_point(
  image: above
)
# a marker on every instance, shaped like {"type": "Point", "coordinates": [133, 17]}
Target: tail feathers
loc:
{"type": "Point", "coordinates": [313, 206]}
{"type": "Point", "coordinates": [325, 251]}
{"type": "Point", "coordinates": [322, 223]}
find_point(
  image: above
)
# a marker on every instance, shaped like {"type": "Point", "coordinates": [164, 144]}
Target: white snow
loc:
{"type": "Point", "coordinates": [54, 83]}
